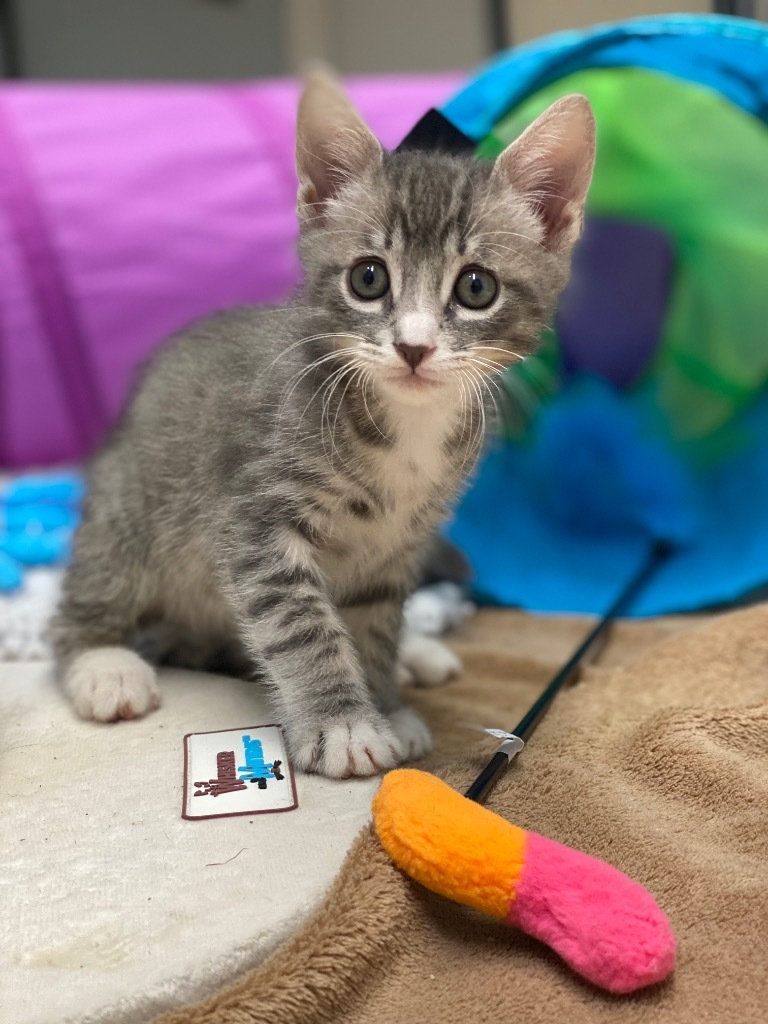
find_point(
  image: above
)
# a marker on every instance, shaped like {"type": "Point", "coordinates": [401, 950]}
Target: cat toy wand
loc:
{"type": "Point", "coordinates": [517, 739]}
{"type": "Point", "coordinates": [606, 926]}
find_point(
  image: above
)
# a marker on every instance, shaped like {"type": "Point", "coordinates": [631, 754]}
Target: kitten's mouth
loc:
{"type": "Point", "coordinates": [414, 380]}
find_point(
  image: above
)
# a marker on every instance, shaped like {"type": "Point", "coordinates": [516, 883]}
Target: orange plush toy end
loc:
{"type": "Point", "coordinates": [605, 926]}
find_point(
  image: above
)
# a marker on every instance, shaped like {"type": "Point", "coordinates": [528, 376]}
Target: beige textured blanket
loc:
{"type": "Point", "coordinates": [657, 762]}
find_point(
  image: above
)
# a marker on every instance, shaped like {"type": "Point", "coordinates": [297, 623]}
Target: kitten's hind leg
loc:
{"type": "Point", "coordinates": [414, 735]}
{"type": "Point", "coordinates": [95, 623]}
{"type": "Point", "coordinates": [426, 661]}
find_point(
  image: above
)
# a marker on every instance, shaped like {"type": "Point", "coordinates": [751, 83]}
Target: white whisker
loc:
{"type": "Point", "coordinates": [352, 369]}
{"type": "Point", "coordinates": [340, 371]}
{"type": "Point", "coordinates": [366, 381]}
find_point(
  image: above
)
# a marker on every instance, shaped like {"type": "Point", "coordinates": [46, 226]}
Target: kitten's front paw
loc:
{"type": "Point", "coordinates": [345, 745]}
{"type": "Point", "coordinates": [415, 738]}
{"type": "Point", "coordinates": [109, 683]}
{"type": "Point", "coordinates": [428, 661]}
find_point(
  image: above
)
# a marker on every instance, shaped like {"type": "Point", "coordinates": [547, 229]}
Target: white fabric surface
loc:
{"type": "Point", "coordinates": [113, 908]}
{"type": "Point", "coordinates": [24, 614]}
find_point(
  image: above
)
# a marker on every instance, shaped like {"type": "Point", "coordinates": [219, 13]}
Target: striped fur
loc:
{"type": "Point", "coordinates": [267, 498]}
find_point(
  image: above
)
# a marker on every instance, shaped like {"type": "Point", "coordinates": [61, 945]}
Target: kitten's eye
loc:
{"type": "Point", "coordinates": [369, 279]}
{"type": "Point", "coordinates": [475, 288]}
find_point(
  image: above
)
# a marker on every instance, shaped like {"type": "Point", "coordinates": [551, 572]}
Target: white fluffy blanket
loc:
{"type": "Point", "coordinates": [113, 907]}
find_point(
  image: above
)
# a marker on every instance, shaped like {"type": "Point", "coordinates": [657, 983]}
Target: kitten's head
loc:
{"type": "Point", "coordinates": [436, 267]}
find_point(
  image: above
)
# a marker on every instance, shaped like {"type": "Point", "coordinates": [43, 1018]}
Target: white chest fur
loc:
{"type": "Point", "coordinates": [414, 478]}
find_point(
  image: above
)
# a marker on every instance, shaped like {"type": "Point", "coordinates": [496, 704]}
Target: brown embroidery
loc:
{"type": "Point", "coordinates": [226, 781]}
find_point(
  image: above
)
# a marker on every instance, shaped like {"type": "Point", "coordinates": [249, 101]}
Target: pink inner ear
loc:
{"type": "Point", "coordinates": [321, 177]}
{"type": "Point", "coordinates": [556, 193]}
{"type": "Point", "coordinates": [554, 214]}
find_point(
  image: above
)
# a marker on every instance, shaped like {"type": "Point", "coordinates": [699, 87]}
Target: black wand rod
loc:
{"type": "Point", "coordinates": [516, 740]}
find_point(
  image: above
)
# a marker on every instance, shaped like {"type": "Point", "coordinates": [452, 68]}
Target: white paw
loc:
{"type": "Point", "coordinates": [415, 738]}
{"type": "Point", "coordinates": [436, 608]}
{"type": "Point", "coordinates": [109, 683]}
{"type": "Point", "coordinates": [343, 746]}
{"type": "Point", "coordinates": [428, 660]}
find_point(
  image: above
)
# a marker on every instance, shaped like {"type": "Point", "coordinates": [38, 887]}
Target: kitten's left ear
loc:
{"type": "Point", "coordinates": [551, 164]}
{"type": "Point", "coordinates": [333, 145]}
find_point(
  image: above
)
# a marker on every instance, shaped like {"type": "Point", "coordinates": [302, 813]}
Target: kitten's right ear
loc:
{"type": "Point", "coordinates": [333, 145]}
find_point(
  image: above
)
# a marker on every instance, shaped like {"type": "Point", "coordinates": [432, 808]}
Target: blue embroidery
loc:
{"type": "Point", "coordinates": [256, 768]}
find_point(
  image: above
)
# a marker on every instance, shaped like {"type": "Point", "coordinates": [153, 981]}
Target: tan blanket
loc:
{"type": "Point", "coordinates": [657, 762]}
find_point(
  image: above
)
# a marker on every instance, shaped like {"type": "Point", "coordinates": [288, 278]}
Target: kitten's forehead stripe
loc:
{"type": "Point", "coordinates": [448, 229]}
{"type": "Point", "coordinates": [464, 212]}
{"type": "Point", "coordinates": [430, 198]}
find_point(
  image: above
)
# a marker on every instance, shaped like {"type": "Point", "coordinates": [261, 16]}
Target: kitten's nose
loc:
{"type": "Point", "coordinates": [414, 354]}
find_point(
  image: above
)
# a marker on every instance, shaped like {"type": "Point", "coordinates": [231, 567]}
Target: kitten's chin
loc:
{"type": "Point", "coordinates": [413, 388]}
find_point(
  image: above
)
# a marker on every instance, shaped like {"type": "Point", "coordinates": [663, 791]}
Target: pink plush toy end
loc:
{"type": "Point", "coordinates": [604, 925]}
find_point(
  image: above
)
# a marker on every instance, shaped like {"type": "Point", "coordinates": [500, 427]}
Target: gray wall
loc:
{"type": "Point", "coordinates": [204, 39]}
{"type": "Point", "coordinates": [359, 36]}
{"type": "Point", "coordinates": [531, 18]}
{"type": "Point", "coordinates": [158, 39]}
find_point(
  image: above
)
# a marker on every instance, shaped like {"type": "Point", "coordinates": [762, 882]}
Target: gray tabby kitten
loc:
{"type": "Point", "coordinates": [266, 500]}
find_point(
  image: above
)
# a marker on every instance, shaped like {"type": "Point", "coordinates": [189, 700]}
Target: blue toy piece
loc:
{"type": "Point", "coordinates": [38, 517]}
{"type": "Point", "coordinates": [727, 55]}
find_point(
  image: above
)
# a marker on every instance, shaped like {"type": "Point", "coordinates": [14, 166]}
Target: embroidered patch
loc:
{"type": "Point", "coordinates": [237, 771]}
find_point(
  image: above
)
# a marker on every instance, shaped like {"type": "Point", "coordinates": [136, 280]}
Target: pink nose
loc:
{"type": "Point", "coordinates": [414, 354]}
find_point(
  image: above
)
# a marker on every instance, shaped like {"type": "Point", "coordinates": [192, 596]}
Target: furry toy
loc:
{"type": "Point", "coordinates": [608, 928]}
{"type": "Point", "coordinates": [38, 515]}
